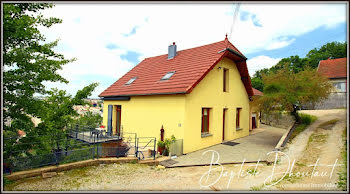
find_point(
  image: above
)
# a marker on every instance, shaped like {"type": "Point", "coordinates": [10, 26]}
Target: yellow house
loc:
{"type": "Point", "coordinates": [200, 95]}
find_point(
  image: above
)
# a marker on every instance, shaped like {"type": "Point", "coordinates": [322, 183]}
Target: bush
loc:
{"type": "Point", "coordinates": [7, 181]}
{"type": "Point", "coordinates": [307, 119]}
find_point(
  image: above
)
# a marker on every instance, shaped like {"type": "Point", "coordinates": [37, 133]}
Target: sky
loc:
{"type": "Point", "coordinates": [108, 39]}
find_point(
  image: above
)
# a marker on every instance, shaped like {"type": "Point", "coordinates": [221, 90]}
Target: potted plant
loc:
{"type": "Point", "coordinates": [161, 147]}
{"type": "Point", "coordinates": [167, 144]}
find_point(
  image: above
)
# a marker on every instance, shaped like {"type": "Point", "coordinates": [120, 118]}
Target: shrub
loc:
{"type": "Point", "coordinates": [7, 181]}
{"type": "Point", "coordinates": [307, 119]}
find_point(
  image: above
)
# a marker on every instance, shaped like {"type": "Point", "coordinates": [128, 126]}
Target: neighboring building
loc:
{"type": "Point", "coordinates": [200, 95]}
{"type": "Point", "coordinates": [95, 106]}
{"type": "Point", "coordinates": [254, 113]}
{"type": "Point", "coordinates": [335, 70]}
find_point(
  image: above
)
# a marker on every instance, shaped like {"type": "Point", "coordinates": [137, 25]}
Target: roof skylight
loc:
{"type": "Point", "coordinates": [131, 81]}
{"type": "Point", "coordinates": [168, 75]}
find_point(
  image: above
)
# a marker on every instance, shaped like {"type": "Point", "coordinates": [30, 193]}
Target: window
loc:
{"type": "Point", "coordinates": [131, 81]}
{"type": "Point", "coordinates": [340, 86]}
{"type": "Point", "coordinates": [225, 80]}
{"type": "Point", "coordinates": [238, 113]}
{"type": "Point", "coordinates": [205, 120]}
{"type": "Point", "coordinates": [168, 75]}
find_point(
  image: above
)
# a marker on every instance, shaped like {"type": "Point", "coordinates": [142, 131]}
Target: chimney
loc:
{"type": "Point", "coordinates": [172, 51]}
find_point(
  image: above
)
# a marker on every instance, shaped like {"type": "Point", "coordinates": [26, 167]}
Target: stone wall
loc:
{"type": "Point", "coordinates": [281, 120]}
{"type": "Point", "coordinates": [334, 101]}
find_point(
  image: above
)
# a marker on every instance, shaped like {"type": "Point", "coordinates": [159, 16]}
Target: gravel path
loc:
{"type": "Point", "coordinates": [316, 144]}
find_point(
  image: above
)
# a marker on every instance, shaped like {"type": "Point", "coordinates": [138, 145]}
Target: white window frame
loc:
{"type": "Point", "coordinates": [168, 75]}
{"type": "Point", "coordinates": [131, 81]}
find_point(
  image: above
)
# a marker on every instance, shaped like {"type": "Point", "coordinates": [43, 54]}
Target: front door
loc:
{"type": "Point", "coordinates": [253, 123]}
{"type": "Point", "coordinates": [118, 119]}
{"type": "Point", "coordinates": [223, 124]}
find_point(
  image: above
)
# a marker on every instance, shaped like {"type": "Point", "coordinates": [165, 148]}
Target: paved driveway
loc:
{"type": "Point", "coordinates": [251, 148]}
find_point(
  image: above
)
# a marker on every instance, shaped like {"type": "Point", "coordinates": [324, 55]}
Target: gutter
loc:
{"type": "Point", "coordinates": [127, 97]}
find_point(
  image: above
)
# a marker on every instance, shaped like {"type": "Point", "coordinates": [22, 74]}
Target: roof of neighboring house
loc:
{"type": "Point", "coordinates": [257, 92]}
{"type": "Point", "coordinates": [333, 68]}
{"type": "Point", "coordinates": [190, 66]}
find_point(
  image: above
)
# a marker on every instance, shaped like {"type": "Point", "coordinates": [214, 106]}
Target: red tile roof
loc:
{"type": "Point", "coordinates": [191, 66]}
{"type": "Point", "coordinates": [333, 68]}
{"type": "Point", "coordinates": [257, 92]}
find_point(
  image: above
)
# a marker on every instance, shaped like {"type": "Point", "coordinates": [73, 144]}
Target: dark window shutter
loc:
{"type": "Point", "coordinates": [110, 116]}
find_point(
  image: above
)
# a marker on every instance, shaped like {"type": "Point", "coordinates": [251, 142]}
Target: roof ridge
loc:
{"type": "Point", "coordinates": [333, 59]}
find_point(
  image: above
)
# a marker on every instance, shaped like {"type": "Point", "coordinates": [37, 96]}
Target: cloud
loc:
{"type": "Point", "coordinates": [261, 62]}
{"type": "Point", "coordinates": [245, 16]}
{"type": "Point", "coordinates": [131, 56]}
{"type": "Point", "coordinates": [279, 44]}
{"type": "Point", "coordinates": [111, 46]}
{"type": "Point", "coordinates": [133, 31]}
{"type": "Point", "coordinates": [256, 21]}
{"type": "Point", "coordinates": [283, 20]}
{"type": "Point", "coordinates": [95, 33]}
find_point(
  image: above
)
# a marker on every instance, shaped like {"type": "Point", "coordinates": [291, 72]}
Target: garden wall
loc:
{"type": "Point", "coordinates": [334, 101]}
{"type": "Point", "coordinates": [281, 120]}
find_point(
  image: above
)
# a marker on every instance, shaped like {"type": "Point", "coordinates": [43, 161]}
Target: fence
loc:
{"type": "Point", "coordinates": [75, 143]}
{"type": "Point", "coordinates": [90, 134]}
{"type": "Point", "coordinates": [145, 147]}
{"type": "Point", "coordinates": [30, 162]}
{"type": "Point", "coordinates": [34, 151]}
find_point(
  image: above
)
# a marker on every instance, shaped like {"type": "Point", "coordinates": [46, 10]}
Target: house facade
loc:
{"type": "Point", "coordinates": [254, 112]}
{"type": "Point", "coordinates": [200, 95]}
{"type": "Point", "coordinates": [336, 71]}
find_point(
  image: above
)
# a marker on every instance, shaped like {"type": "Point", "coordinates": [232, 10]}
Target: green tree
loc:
{"type": "Point", "coordinates": [88, 119]}
{"type": "Point", "coordinates": [57, 111]}
{"type": "Point", "coordinates": [259, 73]}
{"type": "Point", "coordinates": [257, 83]}
{"type": "Point", "coordinates": [284, 89]}
{"type": "Point", "coordinates": [28, 62]}
{"type": "Point", "coordinates": [331, 49]}
{"type": "Point", "coordinates": [294, 63]}
{"type": "Point", "coordinates": [297, 64]}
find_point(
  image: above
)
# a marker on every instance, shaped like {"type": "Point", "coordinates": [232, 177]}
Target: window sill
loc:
{"type": "Point", "coordinates": [206, 134]}
{"type": "Point", "coordinates": [238, 128]}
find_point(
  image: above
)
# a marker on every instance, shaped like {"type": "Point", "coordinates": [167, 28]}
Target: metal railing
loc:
{"type": "Point", "coordinates": [75, 143]}
{"type": "Point", "coordinates": [28, 162]}
{"type": "Point", "coordinates": [90, 134]}
{"type": "Point", "coordinates": [146, 147]}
